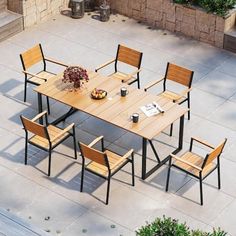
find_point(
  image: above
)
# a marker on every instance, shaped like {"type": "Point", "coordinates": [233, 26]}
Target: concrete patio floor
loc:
{"type": "Point", "coordinates": [27, 192]}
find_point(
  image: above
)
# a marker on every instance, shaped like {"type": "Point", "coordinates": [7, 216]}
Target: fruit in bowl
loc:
{"type": "Point", "coordinates": [98, 93]}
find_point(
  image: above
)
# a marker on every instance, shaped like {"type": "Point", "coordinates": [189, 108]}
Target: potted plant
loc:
{"type": "Point", "coordinates": [76, 75]}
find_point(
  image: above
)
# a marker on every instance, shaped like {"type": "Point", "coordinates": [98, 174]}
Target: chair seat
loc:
{"type": "Point", "coordinates": [43, 142]}
{"type": "Point", "coordinates": [121, 76]}
{"type": "Point", "coordinates": [113, 158]}
{"type": "Point", "coordinates": [44, 74]}
{"type": "Point", "coordinates": [172, 96]}
{"type": "Point", "coordinates": [196, 160]}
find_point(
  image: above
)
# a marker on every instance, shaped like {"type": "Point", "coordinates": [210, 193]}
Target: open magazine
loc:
{"type": "Point", "coordinates": [151, 109]}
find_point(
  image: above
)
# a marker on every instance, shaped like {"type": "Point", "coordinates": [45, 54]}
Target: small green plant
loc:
{"type": "Point", "coordinates": [171, 227]}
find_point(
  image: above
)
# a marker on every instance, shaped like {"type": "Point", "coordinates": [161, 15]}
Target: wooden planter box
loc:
{"type": "Point", "coordinates": [165, 14]}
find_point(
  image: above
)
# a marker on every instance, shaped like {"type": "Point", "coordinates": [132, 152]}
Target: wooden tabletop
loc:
{"type": "Point", "coordinates": [114, 109]}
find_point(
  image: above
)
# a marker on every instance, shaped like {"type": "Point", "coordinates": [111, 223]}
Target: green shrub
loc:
{"type": "Point", "coordinates": [163, 227]}
{"type": "Point", "coordinates": [219, 7]}
{"type": "Point", "coordinates": [171, 227]}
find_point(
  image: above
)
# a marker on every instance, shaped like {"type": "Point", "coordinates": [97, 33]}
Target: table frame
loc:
{"type": "Point", "coordinates": [145, 174]}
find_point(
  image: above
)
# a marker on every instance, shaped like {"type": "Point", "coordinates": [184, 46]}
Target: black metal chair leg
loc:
{"type": "Point", "coordinates": [108, 189]}
{"type": "Point", "coordinates": [82, 177]}
{"type": "Point", "coordinates": [171, 129]}
{"type": "Point", "coordinates": [188, 107]}
{"type": "Point", "coordinates": [49, 162]}
{"type": "Point", "coordinates": [219, 181]}
{"type": "Point", "coordinates": [25, 91]}
{"type": "Point", "coordinates": [132, 158]}
{"type": "Point", "coordinates": [74, 140]}
{"type": "Point", "coordinates": [26, 150]}
{"type": "Point", "coordinates": [48, 105]}
{"type": "Point", "coordinates": [201, 193]}
{"type": "Point", "coordinates": [168, 176]}
{"type": "Point", "coordinates": [138, 81]}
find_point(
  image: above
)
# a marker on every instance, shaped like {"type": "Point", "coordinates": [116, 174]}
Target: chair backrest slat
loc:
{"type": "Point", "coordinates": [34, 127]}
{"type": "Point", "coordinates": [93, 154]}
{"type": "Point", "coordinates": [32, 56]}
{"type": "Point", "coordinates": [214, 154]}
{"type": "Point", "coordinates": [179, 74]}
{"type": "Point", "coordinates": [129, 56]}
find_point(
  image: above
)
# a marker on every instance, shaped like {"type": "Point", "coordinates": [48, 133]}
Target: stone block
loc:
{"type": "Point", "coordinates": [136, 5]}
{"type": "Point", "coordinates": [154, 4]}
{"type": "Point", "coordinates": [220, 24]}
{"type": "Point", "coordinates": [170, 26]}
{"type": "Point", "coordinates": [188, 29]}
{"type": "Point", "coordinates": [179, 11]}
{"type": "Point", "coordinates": [219, 39]}
{"type": "Point", "coordinates": [136, 14]}
{"type": "Point", "coordinates": [178, 26]}
{"type": "Point", "coordinates": [202, 21]}
{"type": "Point", "coordinates": [229, 22]}
{"type": "Point", "coordinates": [151, 16]}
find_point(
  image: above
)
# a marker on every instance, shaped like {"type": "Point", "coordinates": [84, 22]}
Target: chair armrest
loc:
{"type": "Point", "coordinates": [56, 62]}
{"type": "Point", "coordinates": [34, 75]}
{"type": "Point", "coordinates": [95, 141]}
{"type": "Point", "coordinates": [69, 127]}
{"type": "Point", "coordinates": [185, 162]}
{"type": "Point", "coordinates": [202, 142]}
{"type": "Point", "coordinates": [39, 116]}
{"type": "Point", "coordinates": [104, 65]}
{"type": "Point", "coordinates": [129, 76]}
{"type": "Point", "coordinates": [125, 156]}
{"type": "Point", "coordinates": [183, 93]}
{"type": "Point", "coordinates": [152, 84]}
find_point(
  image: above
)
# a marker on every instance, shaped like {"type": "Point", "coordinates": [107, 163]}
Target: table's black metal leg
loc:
{"type": "Point", "coordinates": [144, 158]}
{"type": "Point", "coordinates": [40, 107]}
{"type": "Point", "coordinates": [65, 116]}
{"type": "Point", "coordinates": [181, 131]}
{"type": "Point", "coordinates": [145, 173]}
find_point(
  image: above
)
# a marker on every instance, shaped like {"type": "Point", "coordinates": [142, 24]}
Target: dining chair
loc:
{"type": "Point", "coordinates": [104, 163]}
{"type": "Point", "coordinates": [32, 57]}
{"type": "Point", "coordinates": [181, 76]}
{"type": "Point", "coordinates": [46, 136]}
{"type": "Point", "coordinates": [197, 165]}
{"type": "Point", "coordinates": [130, 57]}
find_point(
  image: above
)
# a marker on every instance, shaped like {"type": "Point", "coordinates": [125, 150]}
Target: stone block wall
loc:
{"type": "Point", "coordinates": [35, 11]}
{"type": "Point", "coordinates": [3, 4]}
{"type": "Point", "coordinates": [165, 14]}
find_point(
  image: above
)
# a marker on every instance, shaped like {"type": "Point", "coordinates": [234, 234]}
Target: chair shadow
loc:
{"type": "Point", "coordinates": [159, 182]}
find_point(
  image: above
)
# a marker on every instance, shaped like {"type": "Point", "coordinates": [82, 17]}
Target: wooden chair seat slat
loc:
{"type": "Point", "coordinates": [196, 160]}
{"type": "Point", "coordinates": [113, 158]}
{"type": "Point", "coordinates": [172, 96]}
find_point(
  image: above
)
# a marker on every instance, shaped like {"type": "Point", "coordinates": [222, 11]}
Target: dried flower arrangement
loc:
{"type": "Point", "coordinates": [76, 75]}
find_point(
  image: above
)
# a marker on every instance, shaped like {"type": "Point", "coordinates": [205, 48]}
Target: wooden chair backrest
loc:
{"type": "Point", "coordinates": [93, 154]}
{"type": "Point", "coordinates": [214, 154]}
{"type": "Point", "coordinates": [34, 127]}
{"type": "Point", "coordinates": [129, 56]}
{"type": "Point", "coordinates": [32, 56]}
{"type": "Point", "coordinates": [179, 74]}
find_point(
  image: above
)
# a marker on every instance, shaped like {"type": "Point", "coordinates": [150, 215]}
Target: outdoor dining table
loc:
{"type": "Point", "coordinates": [117, 110]}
